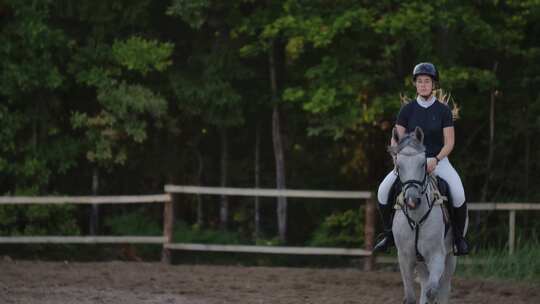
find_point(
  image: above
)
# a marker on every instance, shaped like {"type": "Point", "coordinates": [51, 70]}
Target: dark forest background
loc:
{"type": "Point", "coordinates": [122, 97]}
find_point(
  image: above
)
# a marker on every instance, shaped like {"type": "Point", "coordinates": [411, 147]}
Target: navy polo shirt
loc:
{"type": "Point", "coordinates": [432, 120]}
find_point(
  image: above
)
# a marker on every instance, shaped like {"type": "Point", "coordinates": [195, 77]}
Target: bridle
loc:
{"type": "Point", "coordinates": [420, 184]}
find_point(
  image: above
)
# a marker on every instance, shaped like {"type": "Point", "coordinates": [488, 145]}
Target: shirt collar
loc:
{"type": "Point", "coordinates": [425, 103]}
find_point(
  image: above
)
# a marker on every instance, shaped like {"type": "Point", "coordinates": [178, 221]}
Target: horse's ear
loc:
{"type": "Point", "coordinates": [419, 134]}
{"type": "Point", "coordinates": [395, 134]}
{"type": "Point", "coordinates": [392, 149]}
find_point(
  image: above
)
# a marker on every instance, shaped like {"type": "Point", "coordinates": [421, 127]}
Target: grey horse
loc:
{"type": "Point", "coordinates": [419, 225]}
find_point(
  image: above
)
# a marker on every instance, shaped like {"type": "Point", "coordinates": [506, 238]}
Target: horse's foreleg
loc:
{"type": "Point", "coordinates": [446, 280]}
{"type": "Point", "coordinates": [423, 275]}
{"type": "Point", "coordinates": [406, 266]}
{"type": "Point", "coordinates": [436, 267]}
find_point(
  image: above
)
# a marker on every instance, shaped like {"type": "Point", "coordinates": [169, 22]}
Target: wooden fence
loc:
{"type": "Point", "coordinates": [168, 221]}
{"type": "Point", "coordinates": [364, 197]}
{"type": "Point", "coordinates": [511, 207]}
{"type": "Point", "coordinates": [122, 199]}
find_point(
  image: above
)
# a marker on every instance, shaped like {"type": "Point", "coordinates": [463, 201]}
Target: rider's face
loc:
{"type": "Point", "coordinates": [424, 85]}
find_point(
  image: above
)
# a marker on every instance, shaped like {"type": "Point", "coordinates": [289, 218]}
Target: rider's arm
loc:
{"type": "Point", "coordinates": [448, 133]}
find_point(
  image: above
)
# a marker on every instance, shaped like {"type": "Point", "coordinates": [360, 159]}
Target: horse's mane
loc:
{"type": "Point", "coordinates": [408, 140]}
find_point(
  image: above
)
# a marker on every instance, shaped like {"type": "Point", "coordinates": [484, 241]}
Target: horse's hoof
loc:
{"type": "Point", "coordinates": [431, 294]}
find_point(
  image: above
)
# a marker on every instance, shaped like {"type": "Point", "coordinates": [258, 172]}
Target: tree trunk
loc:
{"type": "Point", "coordinates": [224, 203]}
{"type": "Point", "coordinates": [200, 210]}
{"type": "Point", "coordinates": [94, 211]}
{"type": "Point", "coordinates": [493, 94]}
{"type": "Point", "coordinates": [257, 180]}
{"type": "Point", "coordinates": [280, 174]}
{"type": "Point", "coordinates": [526, 171]}
{"type": "Point", "coordinates": [278, 149]}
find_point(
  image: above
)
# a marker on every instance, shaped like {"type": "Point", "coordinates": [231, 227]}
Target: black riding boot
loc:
{"type": "Point", "coordinates": [461, 247]}
{"type": "Point", "coordinates": [387, 214]}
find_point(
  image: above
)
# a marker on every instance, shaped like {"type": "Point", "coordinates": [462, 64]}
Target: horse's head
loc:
{"type": "Point", "coordinates": [410, 156]}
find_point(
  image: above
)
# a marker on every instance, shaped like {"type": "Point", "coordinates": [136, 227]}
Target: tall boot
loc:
{"type": "Point", "coordinates": [461, 247]}
{"type": "Point", "coordinates": [387, 214]}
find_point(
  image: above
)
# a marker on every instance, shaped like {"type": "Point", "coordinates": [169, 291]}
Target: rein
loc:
{"type": "Point", "coordinates": [415, 226]}
{"type": "Point", "coordinates": [420, 184]}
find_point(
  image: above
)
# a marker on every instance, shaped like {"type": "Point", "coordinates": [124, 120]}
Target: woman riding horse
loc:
{"type": "Point", "coordinates": [435, 119]}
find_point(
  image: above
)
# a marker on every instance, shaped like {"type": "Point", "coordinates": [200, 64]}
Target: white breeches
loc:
{"type": "Point", "coordinates": [444, 169]}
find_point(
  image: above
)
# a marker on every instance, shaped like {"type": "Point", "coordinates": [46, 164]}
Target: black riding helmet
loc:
{"type": "Point", "coordinates": [426, 68]}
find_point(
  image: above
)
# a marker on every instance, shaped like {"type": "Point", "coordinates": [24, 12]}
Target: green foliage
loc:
{"type": "Point", "coordinates": [12, 122]}
{"type": "Point", "coordinates": [340, 229]}
{"type": "Point", "coordinates": [31, 50]}
{"type": "Point", "coordinates": [191, 11]}
{"type": "Point", "coordinates": [126, 107]}
{"type": "Point", "coordinates": [185, 234]}
{"type": "Point", "coordinates": [123, 85]}
{"type": "Point", "coordinates": [142, 55]}
{"type": "Point", "coordinates": [269, 242]}
{"type": "Point", "coordinates": [38, 220]}
{"type": "Point", "coordinates": [208, 90]}
{"type": "Point", "coordinates": [121, 121]}
{"type": "Point", "coordinates": [319, 29]}
{"type": "Point", "coordinates": [457, 77]}
{"type": "Point", "coordinates": [134, 223]}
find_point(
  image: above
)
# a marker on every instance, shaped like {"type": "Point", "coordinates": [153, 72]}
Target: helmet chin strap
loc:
{"type": "Point", "coordinates": [427, 96]}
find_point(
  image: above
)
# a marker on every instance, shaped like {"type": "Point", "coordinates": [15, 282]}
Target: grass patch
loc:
{"type": "Point", "coordinates": [523, 265]}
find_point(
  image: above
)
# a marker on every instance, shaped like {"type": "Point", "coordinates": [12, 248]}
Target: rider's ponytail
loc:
{"type": "Point", "coordinates": [446, 98]}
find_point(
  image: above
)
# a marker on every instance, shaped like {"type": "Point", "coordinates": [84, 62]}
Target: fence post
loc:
{"type": "Point", "coordinates": [369, 233]}
{"type": "Point", "coordinates": [168, 223]}
{"type": "Point", "coordinates": [512, 231]}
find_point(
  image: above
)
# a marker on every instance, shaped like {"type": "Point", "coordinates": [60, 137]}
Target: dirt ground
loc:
{"type": "Point", "coordinates": [32, 282]}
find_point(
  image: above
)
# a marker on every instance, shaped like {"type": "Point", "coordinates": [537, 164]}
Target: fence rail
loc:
{"type": "Point", "coordinates": [270, 249]}
{"type": "Point", "coordinates": [366, 198]}
{"type": "Point", "coordinates": [268, 192]}
{"type": "Point", "coordinates": [503, 206]}
{"type": "Point", "coordinates": [120, 199]}
{"type": "Point", "coordinates": [83, 240]}
{"type": "Point", "coordinates": [512, 207]}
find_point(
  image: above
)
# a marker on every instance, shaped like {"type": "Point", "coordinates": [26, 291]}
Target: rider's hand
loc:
{"type": "Point", "coordinates": [431, 164]}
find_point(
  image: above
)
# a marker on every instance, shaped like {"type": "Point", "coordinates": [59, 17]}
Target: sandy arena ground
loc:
{"type": "Point", "coordinates": [136, 282]}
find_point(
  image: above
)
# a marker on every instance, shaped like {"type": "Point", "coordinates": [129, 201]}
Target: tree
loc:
{"type": "Point", "coordinates": [111, 67]}
{"type": "Point", "coordinates": [208, 87]}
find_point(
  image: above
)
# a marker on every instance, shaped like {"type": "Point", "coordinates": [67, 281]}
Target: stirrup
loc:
{"type": "Point", "coordinates": [461, 247]}
{"type": "Point", "coordinates": [384, 244]}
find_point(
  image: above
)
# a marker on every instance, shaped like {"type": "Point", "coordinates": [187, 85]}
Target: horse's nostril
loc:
{"type": "Point", "coordinates": [411, 202]}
